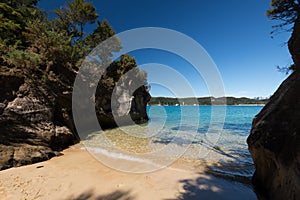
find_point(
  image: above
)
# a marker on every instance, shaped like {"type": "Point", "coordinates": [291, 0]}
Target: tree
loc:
{"type": "Point", "coordinates": [14, 19]}
{"type": "Point", "coordinates": [100, 34]}
{"type": "Point", "coordinates": [29, 41]}
{"type": "Point", "coordinates": [75, 16]}
{"type": "Point", "coordinates": [72, 19]}
{"type": "Point", "coordinates": [288, 12]}
{"type": "Point", "coordinates": [33, 44]}
{"type": "Point", "coordinates": [53, 47]}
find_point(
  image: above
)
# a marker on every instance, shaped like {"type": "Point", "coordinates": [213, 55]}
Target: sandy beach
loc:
{"type": "Point", "coordinates": [78, 175]}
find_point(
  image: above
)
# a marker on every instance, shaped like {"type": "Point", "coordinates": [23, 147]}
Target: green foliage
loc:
{"type": "Point", "coordinates": [26, 34]}
{"type": "Point", "coordinates": [18, 3]}
{"type": "Point", "coordinates": [50, 52]}
{"type": "Point", "coordinates": [117, 70]}
{"type": "Point", "coordinates": [82, 12]}
{"type": "Point", "coordinates": [13, 20]}
{"type": "Point", "coordinates": [206, 101]}
{"type": "Point", "coordinates": [163, 101]}
{"type": "Point", "coordinates": [21, 58]}
{"type": "Point", "coordinates": [77, 14]}
{"type": "Point", "coordinates": [100, 34]}
{"type": "Point", "coordinates": [33, 44]}
{"type": "Point", "coordinates": [52, 46]}
{"type": "Point", "coordinates": [286, 11]}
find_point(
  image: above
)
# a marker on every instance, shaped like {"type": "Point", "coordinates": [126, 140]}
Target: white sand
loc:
{"type": "Point", "coordinates": [77, 175]}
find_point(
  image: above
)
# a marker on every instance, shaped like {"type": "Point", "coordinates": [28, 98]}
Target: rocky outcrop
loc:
{"type": "Point", "coordinates": [33, 121]}
{"type": "Point", "coordinates": [129, 108]}
{"type": "Point", "coordinates": [139, 103]}
{"type": "Point", "coordinates": [36, 120]}
{"type": "Point", "coordinates": [122, 94]}
{"type": "Point", "coordinates": [274, 144]}
{"type": "Point", "coordinates": [294, 43]}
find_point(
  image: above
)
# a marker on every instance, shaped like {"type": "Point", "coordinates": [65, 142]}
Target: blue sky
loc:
{"type": "Point", "coordinates": [235, 33]}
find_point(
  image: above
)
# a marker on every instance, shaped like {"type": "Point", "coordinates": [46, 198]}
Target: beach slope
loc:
{"type": "Point", "coordinates": [77, 175]}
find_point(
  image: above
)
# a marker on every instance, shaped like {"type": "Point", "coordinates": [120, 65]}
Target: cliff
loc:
{"type": "Point", "coordinates": [274, 144]}
{"type": "Point", "coordinates": [36, 119]}
{"type": "Point", "coordinates": [39, 60]}
{"type": "Point", "coordinates": [274, 141]}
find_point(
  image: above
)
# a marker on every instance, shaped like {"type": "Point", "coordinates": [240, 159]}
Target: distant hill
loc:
{"type": "Point", "coordinates": [206, 101]}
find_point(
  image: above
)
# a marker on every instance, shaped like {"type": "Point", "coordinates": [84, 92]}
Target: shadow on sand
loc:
{"type": "Point", "coordinates": [215, 184]}
{"type": "Point", "coordinates": [116, 195]}
{"type": "Point", "coordinates": [210, 187]}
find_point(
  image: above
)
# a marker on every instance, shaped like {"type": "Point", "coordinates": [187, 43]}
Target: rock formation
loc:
{"type": "Point", "coordinates": [121, 95]}
{"type": "Point", "coordinates": [36, 118]}
{"type": "Point", "coordinates": [274, 144]}
{"type": "Point", "coordinates": [138, 107]}
{"type": "Point", "coordinates": [33, 121]}
{"type": "Point", "coordinates": [39, 61]}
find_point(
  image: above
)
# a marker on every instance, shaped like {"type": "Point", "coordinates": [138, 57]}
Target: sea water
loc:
{"type": "Point", "coordinates": [214, 136]}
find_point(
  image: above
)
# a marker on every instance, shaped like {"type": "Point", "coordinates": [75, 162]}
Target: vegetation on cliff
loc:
{"type": "Point", "coordinates": [206, 101]}
{"type": "Point", "coordinates": [39, 60]}
{"type": "Point", "coordinates": [52, 50]}
{"type": "Point", "coordinates": [288, 13]}
{"type": "Point", "coordinates": [31, 42]}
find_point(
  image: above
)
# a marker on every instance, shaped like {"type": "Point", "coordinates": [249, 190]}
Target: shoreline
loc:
{"type": "Point", "coordinates": [77, 174]}
{"type": "Point", "coordinates": [212, 105]}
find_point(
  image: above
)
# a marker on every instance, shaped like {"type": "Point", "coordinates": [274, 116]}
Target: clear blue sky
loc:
{"type": "Point", "coordinates": [236, 34]}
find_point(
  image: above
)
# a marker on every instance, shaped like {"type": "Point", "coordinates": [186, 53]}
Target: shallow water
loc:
{"type": "Point", "coordinates": [189, 135]}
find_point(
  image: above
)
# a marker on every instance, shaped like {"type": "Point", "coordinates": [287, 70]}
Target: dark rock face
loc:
{"type": "Point", "coordinates": [129, 108]}
{"type": "Point", "coordinates": [36, 120]}
{"type": "Point", "coordinates": [31, 129]}
{"type": "Point", "coordinates": [122, 95]}
{"type": "Point", "coordinates": [138, 106]}
{"type": "Point", "coordinates": [294, 43]}
{"type": "Point", "coordinates": [274, 144]}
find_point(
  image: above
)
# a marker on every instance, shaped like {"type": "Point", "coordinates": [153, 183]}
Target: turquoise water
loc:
{"type": "Point", "coordinates": [194, 135]}
{"type": "Point", "coordinates": [219, 137]}
{"type": "Point", "coordinates": [238, 119]}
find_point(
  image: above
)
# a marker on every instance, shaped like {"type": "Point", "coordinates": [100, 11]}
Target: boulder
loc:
{"type": "Point", "coordinates": [274, 144]}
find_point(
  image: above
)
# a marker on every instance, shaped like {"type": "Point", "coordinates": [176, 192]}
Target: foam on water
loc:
{"type": "Point", "coordinates": [117, 155]}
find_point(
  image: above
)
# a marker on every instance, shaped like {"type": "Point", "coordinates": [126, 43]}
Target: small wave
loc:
{"type": "Point", "coordinates": [245, 171]}
{"type": "Point", "coordinates": [229, 175]}
{"type": "Point", "coordinates": [117, 155]}
{"type": "Point", "coordinates": [241, 171]}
